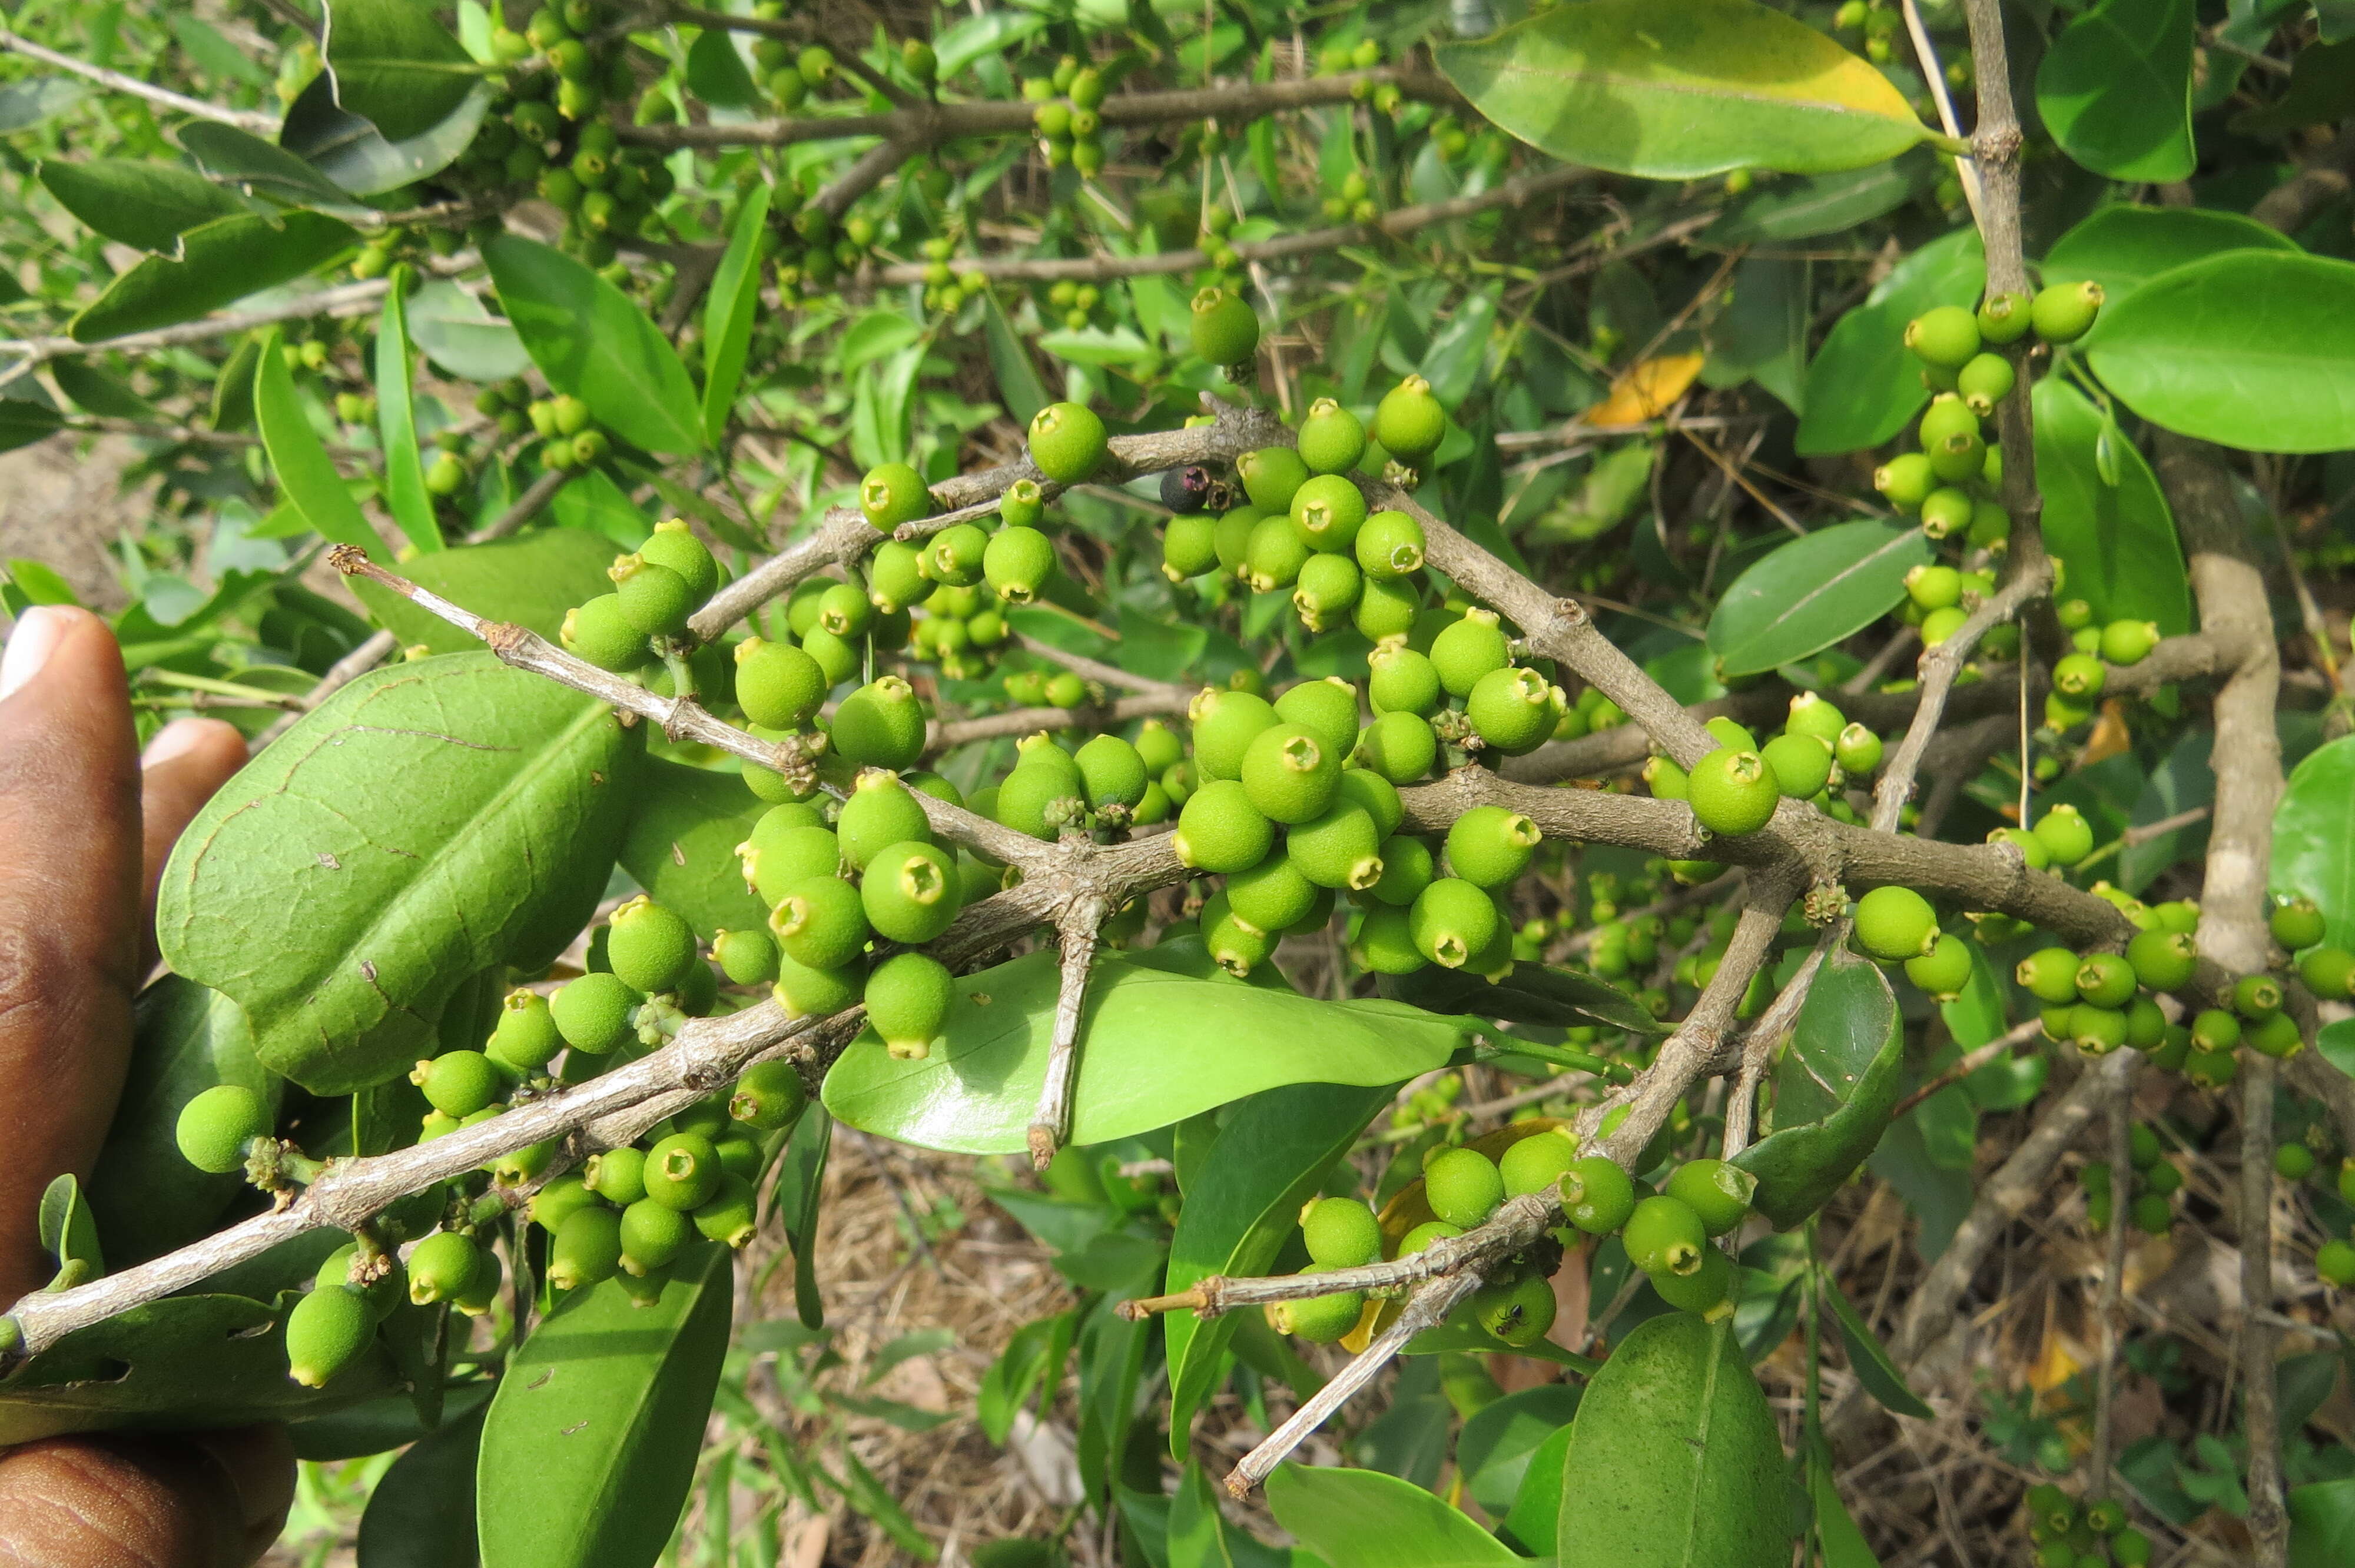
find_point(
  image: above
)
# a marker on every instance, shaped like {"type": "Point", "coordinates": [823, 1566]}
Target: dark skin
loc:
{"type": "Point", "coordinates": [84, 831]}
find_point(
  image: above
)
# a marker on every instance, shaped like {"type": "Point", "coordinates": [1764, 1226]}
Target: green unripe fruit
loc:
{"type": "Point", "coordinates": [1233, 945]}
{"type": "Point", "coordinates": [1225, 329]}
{"type": "Point", "coordinates": [820, 922]}
{"type": "Point", "coordinates": [1944, 513]}
{"type": "Point", "coordinates": [2256, 996]}
{"type": "Point", "coordinates": [747, 957]}
{"type": "Point", "coordinates": [651, 1236]}
{"type": "Point", "coordinates": [1462, 1186]}
{"type": "Point", "coordinates": [1948, 417]}
{"type": "Point", "coordinates": [1341, 849]}
{"type": "Point", "coordinates": [1986, 381]}
{"type": "Point", "coordinates": [1665, 1236]}
{"type": "Point", "coordinates": [768, 1096]}
{"type": "Point", "coordinates": [2153, 1214]}
{"type": "Point", "coordinates": [1468, 649]}
{"type": "Point", "coordinates": [806, 992]}
{"type": "Point", "coordinates": [2163, 961]}
{"type": "Point", "coordinates": [674, 545]}
{"type": "Point", "coordinates": [1893, 924]}
{"type": "Point", "coordinates": [2215, 1030]}
{"type": "Point", "coordinates": [1398, 746]}
{"type": "Point", "coordinates": [894, 494]}
{"type": "Point", "coordinates": [2064, 313]}
{"type": "Point", "coordinates": [1288, 776]}
{"type": "Point", "coordinates": [2297, 923]}
{"type": "Point", "coordinates": [526, 1037]}
{"type": "Point", "coordinates": [881, 811]}
{"type": "Point", "coordinates": [2128, 642]}
{"type": "Point", "coordinates": [649, 947]}
{"type": "Point", "coordinates": [895, 576]}
{"type": "Point", "coordinates": [653, 600]}
{"type": "Point", "coordinates": [1385, 609]}
{"type": "Point", "coordinates": [1518, 1313]}
{"type": "Point", "coordinates": [1934, 587]}
{"type": "Point", "coordinates": [911, 893]}
{"type": "Point", "coordinates": [2031, 848]}
{"type": "Point", "coordinates": [1906, 480]}
{"type": "Point", "coordinates": [1943, 970]}
{"type": "Point", "coordinates": [1319, 1319]}
{"type": "Point", "coordinates": [1189, 546]}
{"type": "Point", "coordinates": [1733, 792]}
{"type": "Point", "coordinates": [1160, 749]}
{"type": "Point", "coordinates": [1068, 442]}
{"type": "Point", "coordinates": [1940, 624]}
{"type": "Point", "coordinates": [1342, 1233]}
{"type": "Point", "coordinates": [1016, 562]}
{"type": "Point", "coordinates": [1512, 709]}
{"type": "Point", "coordinates": [1451, 921]}
{"type": "Point", "coordinates": [1717, 1192]}
{"type": "Point", "coordinates": [1327, 586]}
{"type": "Point", "coordinates": [1403, 680]}
{"type": "Point", "coordinates": [844, 611]}
{"type": "Point", "coordinates": [1112, 770]}
{"type": "Point", "coordinates": [682, 1172]}
{"type": "Point", "coordinates": [2065, 834]}
{"type": "Point", "coordinates": [1384, 944]}
{"type": "Point", "coordinates": [617, 1175]}
{"type": "Point", "coordinates": [1408, 867]}
{"type": "Point", "coordinates": [593, 1012]}
{"type": "Point", "coordinates": [460, 1083]}
{"type": "Point", "coordinates": [778, 685]}
{"type": "Point", "coordinates": [1802, 764]}
{"type": "Point", "coordinates": [1813, 714]}
{"type": "Point", "coordinates": [325, 1332]}
{"type": "Point", "coordinates": [215, 1126]}
{"type": "Point", "coordinates": [1389, 546]}
{"type": "Point", "coordinates": [1706, 1291]}
{"type": "Point", "coordinates": [1410, 422]}
{"type": "Point", "coordinates": [1225, 724]}
{"type": "Point", "coordinates": [1220, 830]}
{"type": "Point", "coordinates": [1065, 691]}
{"type": "Point", "coordinates": [1328, 709]}
{"type": "Point", "coordinates": [442, 1268]}
{"type": "Point", "coordinates": [2079, 676]}
{"type": "Point", "coordinates": [1374, 795]}
{"type": "Point", "coordinates": [1535, 1163]}
{"type": "Point", "coordinates": [881, 724]}
{"type": "Point", "coordinates": [1597, 1196]}
{"type": "Point", "coordinates": [728, 1218]}
{"type": "Point", "coordinates": [1271, 477]}
{"type": "Point", "coordinates": [1420, 1238]}
{"type": "Point", "coordinates": [2095, 1030]}
{"type": "Point", "coordinates": [1271, 896]}
{"type": "Point", "coordinates": [2292, 1162]}
{"type": "Point", "coordinates": [599, 632]}
{"type": "Point", "coordinates": [2004, 318]}
{"type": "Point", "coordinates": [1667, 780]}
{"type": "Point", "coordinates": [1730, 732]}
{"type": "Point", "coordinates": [1040, 801]}
{"type": "Point", "coordinates": [2334, 1261]}
{"type": "Point", "coordinates": [2277, 1035]}
{"type": "Point", "coordinates": [1332, 439]}
{"type": "Point", "coordinates": [907, 1000]}
{"type": "Point", "coordinates": [559, 1200]}
{"type": "Point", "coordinates": [1274, 555]}
{"type": "Point", "coordinates": [2328, 972]}
{"type": "Point", "coordinates": [1857, 751]}
{"type": "Point", "coordinates": [785, 858]}
{"type": "Point", "coordinates": [2050, 975]}
{"type": "Point", "coordinates": [1946, 336]}
{"type": "Point", "coordinates": [1489, 846]}
{"type": "Point", "coordinates": [956, 555]}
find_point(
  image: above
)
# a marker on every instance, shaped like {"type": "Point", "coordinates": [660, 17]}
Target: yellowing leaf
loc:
{"type": "Point", "coordinates": [1647, 391]}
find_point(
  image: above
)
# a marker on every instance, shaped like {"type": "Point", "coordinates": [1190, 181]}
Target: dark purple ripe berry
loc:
{"type": "Point", "coordinates": [1188, 489]}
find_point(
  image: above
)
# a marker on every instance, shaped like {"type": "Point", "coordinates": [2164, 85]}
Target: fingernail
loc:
{"type": "Point", "coordinates": [178, 737]}
{"type": "Point", "coordinates": [36, 635]}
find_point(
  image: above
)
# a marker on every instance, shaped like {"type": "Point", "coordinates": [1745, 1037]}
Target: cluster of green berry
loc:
{"type": "Point", "coordinates": [605, 191]}
{"type": "Point", "coordinates": [1065, 115]}
{"type": "Point", "coordinates": [655, 588]}
{"type": "Point", "coordinates": [570, 438]}
{"type": "Point", "coordinates": [2152, 1181]}
{"type": "Point", "coordinates": [2095, 1536]}
{"type": "Point", "coordinates": [1735, 789]}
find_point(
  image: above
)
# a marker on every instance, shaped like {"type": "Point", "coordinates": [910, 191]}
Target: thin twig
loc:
{"type": "Point", "coordinates": [1051, 1127]}
{"type": "Point", "coordinates": [526, 507]}
{"type": "Point", "coordinates": [114, 80]}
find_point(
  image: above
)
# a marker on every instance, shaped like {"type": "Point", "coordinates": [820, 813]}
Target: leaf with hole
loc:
{"type": "Point", "coordinates": [1833, 1094]}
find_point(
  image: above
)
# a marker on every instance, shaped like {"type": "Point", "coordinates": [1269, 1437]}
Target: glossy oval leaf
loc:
{"type": "Point", "coordinates": [395, 66]}
{"type": "Point", "coordinates": [2118, 538]}
{"type": "Point", "coordinates": [735, 296]}
{"type": "Point", "coordinates": [2321, 1524]}
{"type": "Point", "coordinates": [1674, 1461]}
{"type": "Point", "coordinates": [455, 331]}
{"type": "Point", "coordinates": [304, 471]}
{"type": "Point", "coordinates": [2123, 247]}
{"type": "Point", "coordinates": [1676, 92]}
{"type": "Point", "coordinates": [2314, 837]}
{"type": "Point", "coordinates": [590, 1447]}
{"type": "Point", "coordinates": [426, 822]}
{"type": "Point", "coordinates": [136, 201]}
{"type": "Point", "coordinates": [530, 579]}
{"type": "Point", "coordinates": [1864, 383]}
{"type": "Point", "coordinates": [1267, 1160]}
{"type": "Point", "coordinates": [1833, 1094]}
{"type": "Point", "coordinates": [356, 157]}
{"type": "Point", "coordinates": [2250, 349]}
{"type": "Point", "coordinates": [1822, 204]}
{"type": "Point", "coordinates": [1369, 1519]}
{"type": "Point", "coordinates": [220, 263]}
{"type": "Point", "coordinates": [1811, 593]}
{"type": "Point", "coordinates": [1868, 1360]}
{"type": "Point", "coordinates": [396, 421]}
{"type": "Point", "coordinates": [590, 340]}
{"type": "Point", "coordinates": [421, 1514]}
{"type": "Point", "coordinates": [2114, 89]}
{"type": "Point", "coordinates": [1155, 1047]}
{"type": "Point", "coordinates": [264, 168]}
{"type": "Point", "coordinates": [681, 846]}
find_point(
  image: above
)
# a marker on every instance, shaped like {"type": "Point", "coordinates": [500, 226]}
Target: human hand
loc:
{"type": "Point", "coordinates": [85, 825]}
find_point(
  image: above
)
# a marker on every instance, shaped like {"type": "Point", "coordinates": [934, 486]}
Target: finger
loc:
{"type": "Point", "coordinates": [187, 761]}
{"type": "Point", "coordinates": [69, 911]}
{"type": "Point", "coordinates": [144, 1500]}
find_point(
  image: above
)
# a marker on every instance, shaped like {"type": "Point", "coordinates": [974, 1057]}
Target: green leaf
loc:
{"type": "Point", "coordinates": [1268, 1160]}
{"type": "Point", "coordinates": [728, 310]}
{"type": "Point", "coordinates": [1498, 1441]}
{"type": "Point", "coordinates": [68, 1230]}
{"type": "Point", "coordinates": [2314, 837]}
{"type": "Point", "coordinates": [1019, 383]}
{"type": "Point", "coordinates": [1864, 383]}
{"type": "Point", "coordinates": [681, 846]}
{"type": "Point", "coordinates": [28, 101]}
{"type": "Point", "coordinates": [1833, 1094]}
{"type": "Point", "coordinates": [591, 341]}
{"type": "Point", "coordinates": [404, 471]}
{"type": "Point", "coordinates": [93, 391]}
{"type": "Point", "coordinates": [461, 335]}
{"type": "Point", "coordinates": [185, 1040]}
{"type": "Point", "coordinates": [23, 423]}
{"type": "Point", "coordinates": [1868, 1360]}
{"type": "Point", "coordinates": [1155, 1047]}
{"type": "Point", "coordinates": [1811, 593]}
{"type": "Point", "coordinates": [220, 262]}
{"type": "Point", "coordinates": [1674, 1461]}
{"type": "Point", "coordinates": [2248, 349]}
{"type": "Point", "coordinates": [304, 470]}
{"type": "Point", "coordinates": [264, 168]}
{"type": "Point", "coordinates": [1678, 92]}
{"type": "Point", "coordinates": [2117, 537]}
{"type": "Point", "coordinates": [357, 158]}
{"type": "Point", "coordinates": [1201, 1537]}
{"type": "Point", "coordinates": [138, 201]}
{"type": "Point", "coordinates": [421, 1514]}
{"type": "Point", "coordinates": [1098, 345]}
{"type": "Point", "coordinates": [2123, 247]}
{"type": "Point", "coordinates": [530, 579]}
{"type": "Point", "coordinates": [1782, 211]}
{"type": "Point", "coordinates": [214, 55]}
{"type": "Point", "coordinates": [394, 64]}
{"type": "Point", "coordinates": [1532, 994]}
{"type": "Point", "coordinates": [1842, 1544]}
{"type": "Point", "coordinates": [799, 1195]}
{"type": "Point", "coordinates": [2322, 1524]}
{"type": "Point", "coordinates": [590, 1447]}
{"type": "Point", "coordinates": [2337, 1043]}
{"type": "Point", "coordinates": [492, 798]}
{"type": "Point", "coordinates": [2114, 89]}
{"type": "Point", "coordinates": [1536, 1514]}
{"type": "Point", "coordinates": [233, 403]}
{"type": "Point", "coordinates": [2321, 89]}
{"type": "Point", "coordinates": [1761, 336]}
{"type": "Point", "coordinates": [380, 1426]}
{"type": "Point", "coordinates": [715, 73]}
{"type": "Point", "coordinates": [1369, 1519]}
